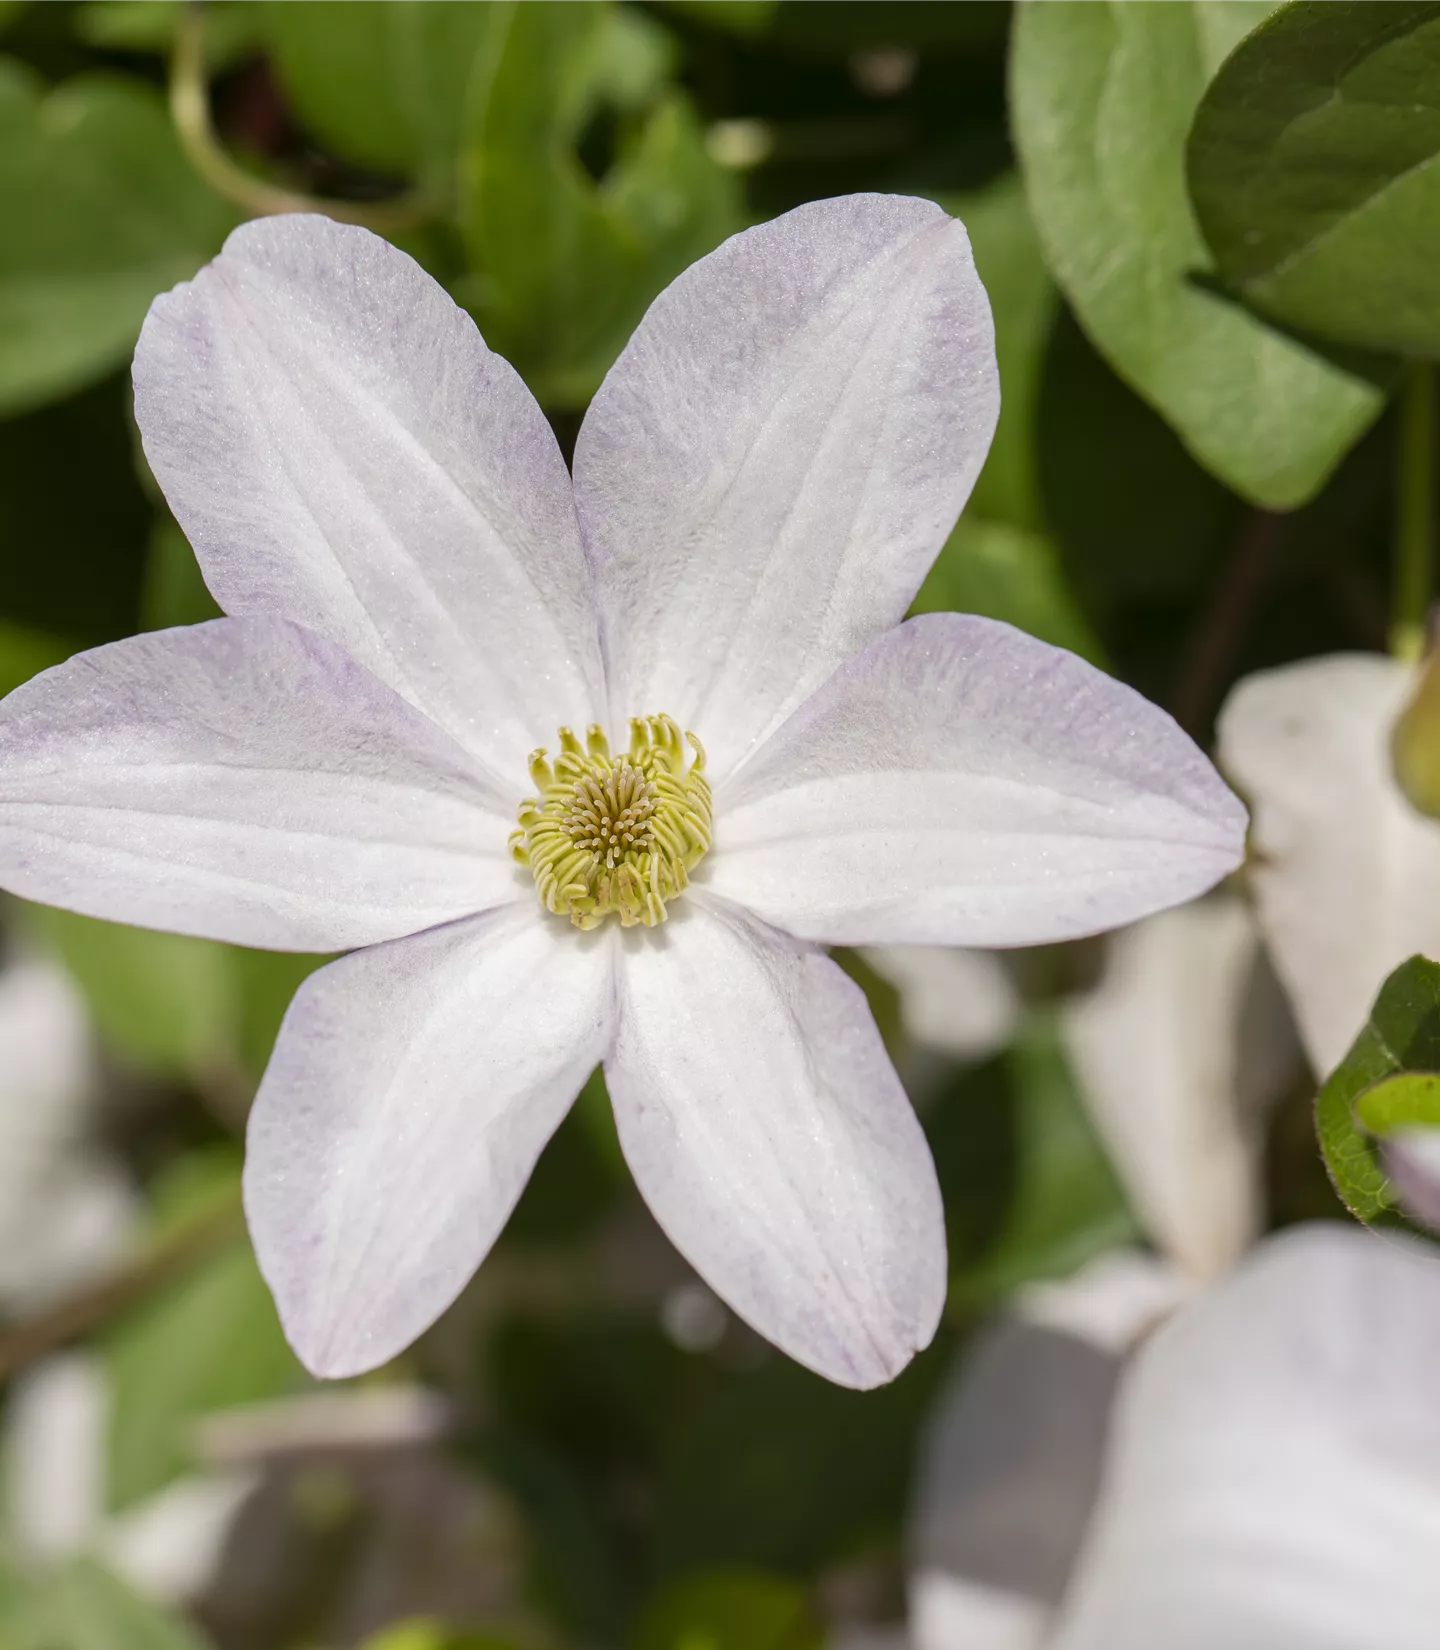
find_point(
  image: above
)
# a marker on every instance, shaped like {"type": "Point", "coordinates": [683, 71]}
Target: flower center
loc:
{"type": "Point", "coordinates": [615, 834]}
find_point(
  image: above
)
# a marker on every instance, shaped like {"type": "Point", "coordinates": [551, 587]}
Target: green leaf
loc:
{"type": "Point", "coordinates": [1068, 1205]}
{"type": "Point", "coordinates": [1024, 302]}
{"type": "Point", "coordinates": [1007, 573]}
{"type": "Point", "coordinates": [1411, 1100]}
{"type": "Point", "coordinates": [81, 1606]}
{"type": "Point", "coordinates": [729, 1610]}
{"type": "Point", "coordinates": [209, 1341]}
{"type": "Point", "coordinates": [1401, 1036]}
{"type": "Point", "coordinates": [842, 23]}
{"type": "Point", "coordinates": [381, 82]}
{"type": "Point", "coordinates": [565, 265]}
{"type": "Point", "coordinates": [174, 592]}
{"type": "Point", "coordinates": [164, 1000]}
{"type": "Point", "coordinates": [1314, 165]}
{"type": "Point", "coordinates": [434, 1635]}
{"type": "Point", "coordinates": [782, 1471]}
{"type": "Point", "coordinates": [101, 212]}
{"type": "Point", "coordinates": [1102, 97]}
{"type": "Point", "coordinates": [268, 980]}
{"type": "Point", "coordinates": [25, 653]}
{"type": "Point", "coordinates": [149, 26]}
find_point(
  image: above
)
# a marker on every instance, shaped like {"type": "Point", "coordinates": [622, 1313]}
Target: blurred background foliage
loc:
{"type": "Point", "coordinates": [1192, 478]}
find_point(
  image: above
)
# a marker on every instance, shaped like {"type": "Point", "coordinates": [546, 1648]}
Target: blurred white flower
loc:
{"type": "Point", "coordinates": [1344, 872]}
{"type": "Point", "coordinates": [67, 1211]}
{"type": "Point", "coordinates": [960, 1003]}
{"type": "Point", "coordinates": [1267, 1478]}
{"type": "Point", "coordinates": [1179, 1052]}
{"type": "Point", "coordinates": [421, 597]}
{"type": "Point", "coordinates": [54, 1452]}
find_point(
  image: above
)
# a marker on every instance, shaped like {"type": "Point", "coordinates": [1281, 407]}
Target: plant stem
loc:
{"type": "Point", "coordinates": [190, 110]}
{"type": "Point", "coordinates": [166, 1258]}
{"type": "Point", "coordinates": [1415, 514]}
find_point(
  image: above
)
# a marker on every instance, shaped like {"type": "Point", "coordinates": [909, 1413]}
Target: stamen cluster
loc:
{"type": "Point", "coordinates": [616, 834]}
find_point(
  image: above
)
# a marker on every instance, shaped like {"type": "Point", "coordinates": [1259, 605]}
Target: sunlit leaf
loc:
{"type": "Point", "coordinates": [1102, 97]}
{"type": "Point", "coordinates": [80, 1606]}
{"type": "Point", "coordinates": [729, 1610]}
{"type": "Point", "coordinates": [101, 212]}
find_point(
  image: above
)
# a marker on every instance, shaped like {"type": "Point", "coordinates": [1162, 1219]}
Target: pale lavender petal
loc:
{"type": "Point", "coordinates": [342, 450]}
{"type": "Point", "coordinates": [769, 1134]}
{"type": "Point", "coordinates": [409, 1095]}
{"type": "Point", "coordinates": [1274, 1481]}
{"type": "Point", "coordinates": [961, 783]}
{"type": "Point", "coordinates": [243, 780]}
{"type": "Point", "coordinates": [771, 466]}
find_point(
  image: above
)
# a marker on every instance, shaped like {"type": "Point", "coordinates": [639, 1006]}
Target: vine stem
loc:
{"type": "Point", "coordinates": [209, 1229]}
{"type": "Point", "coordinates": [1414, 514]}
{"type": "Point", "coordinates": [195, 126]}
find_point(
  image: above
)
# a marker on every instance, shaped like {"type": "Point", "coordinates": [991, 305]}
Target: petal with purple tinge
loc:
{"type": "Point", "coordinates": [410, 1093]}
{"type": "Point", "coordinates": [343, 450]}
{"type": "Point", "coordinates": [770, 1136]}
{"type": "Point", "coordinates": [961, 783]}
{"type": "Point", "coordinates": [243, 780]}
{"type": "Point", "coordinates": [771, 466]}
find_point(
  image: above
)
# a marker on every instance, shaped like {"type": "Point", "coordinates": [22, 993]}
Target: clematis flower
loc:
{"type": "Point", "coordinates": [591, 772]}
{"type": "Point", "coordinates": [1263, 1473]}
{"type": "Point", "coordinates": [1345, 873]}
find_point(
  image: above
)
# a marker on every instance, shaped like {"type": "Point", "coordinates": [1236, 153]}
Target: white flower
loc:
{"type": "Point", "coordinates": [1269, 1478]}
{"type": "Point", "coordinates": [419, 599]}
{"type": "Point", "coordinates": [67, 1210]}
{"type": "Point", "coordinates": [1179, 1052]}
{"type": "Point", "coordinates": [960, 1003]}
{"type": "Point", "coordinates": [1344, 872]}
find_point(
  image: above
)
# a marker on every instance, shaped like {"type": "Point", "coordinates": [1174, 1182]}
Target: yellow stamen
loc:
{"type": "Point", "coordinates": [615, 835]}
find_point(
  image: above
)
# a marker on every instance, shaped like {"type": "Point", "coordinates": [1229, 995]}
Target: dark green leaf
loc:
{"type": "Point", "coordinates": [1067, 1205]}
{"type": "Point", "coordinates": [1402, 1035]}
{"type": "Point", "coordinates": [101, 212]}
{"type": "Point", "coordinates": [1007, 573]}
{"type": "Point", "coordinates": [1023, 301]}
{"type": "Point", "coordinates": [25, 653]}
{"type": "Point", "coordinates": [1103, 95]}
{"type": "Point", "coordinates": [175, 592]}
{"type": "Point", "coordinates": [381, 82]}
{"type": "Point", "coordinates": [565, 264]}
{"type": "Point", "coordinates": [783, 1471]}
{"type": "Point", "coordinates": [729, 1610]}
{"type": "Point", "coordinates": [1315, 169]}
